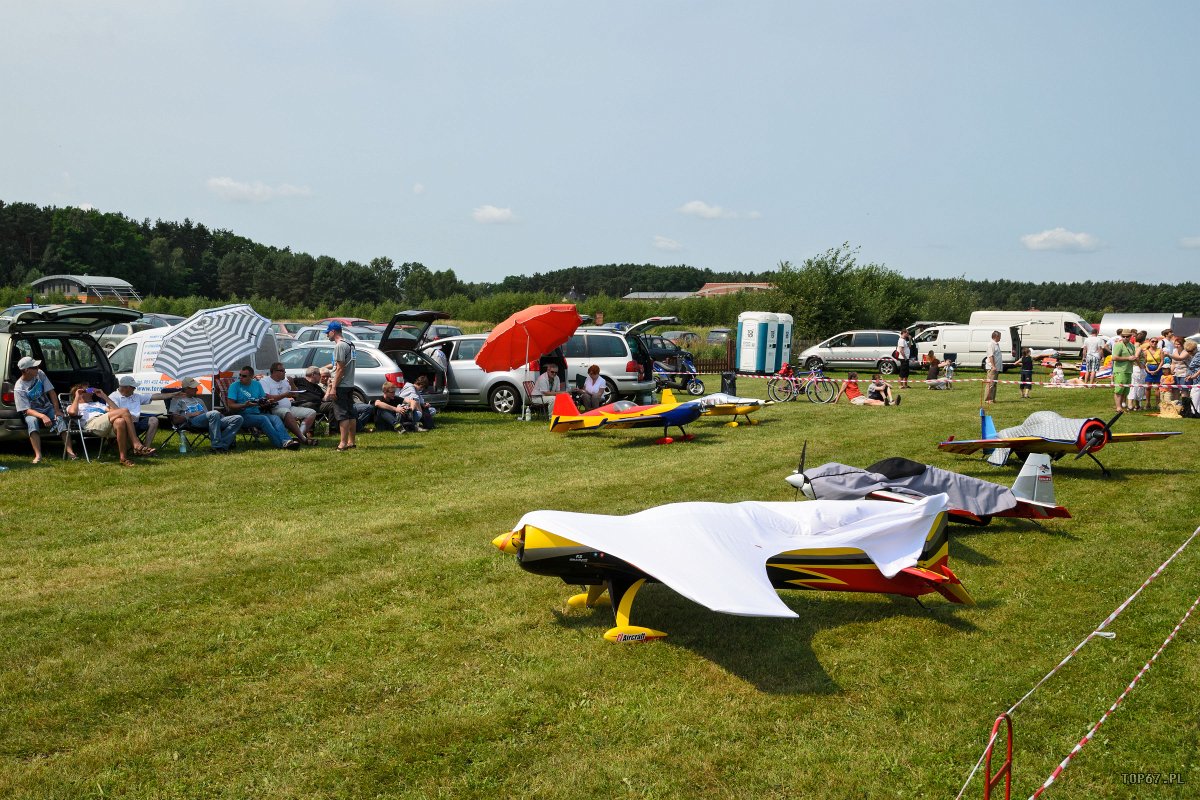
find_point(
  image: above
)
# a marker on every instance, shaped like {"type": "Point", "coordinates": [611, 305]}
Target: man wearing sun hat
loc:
{"type": "Point", "coordinates": [37, 402]}
{"type": "Point", "coordinates": [190, 410]}
{"type": "Point", "coordinates": [130, 399]}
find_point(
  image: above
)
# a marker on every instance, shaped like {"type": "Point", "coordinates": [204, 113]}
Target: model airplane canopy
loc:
{"type": "Point", "coordinates": [716, 553]}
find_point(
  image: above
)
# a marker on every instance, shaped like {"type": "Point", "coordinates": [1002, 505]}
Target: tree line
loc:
{"type": "Point", "coordinates": [179, 267]}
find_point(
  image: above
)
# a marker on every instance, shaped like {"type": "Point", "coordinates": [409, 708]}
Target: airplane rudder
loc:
{"type": "Point", "coordinates": [564, 406]}
{"type": "Point", "coordinates": [1036, 480]}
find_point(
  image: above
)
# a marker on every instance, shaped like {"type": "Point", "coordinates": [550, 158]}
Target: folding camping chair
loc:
{"type": "Point", "coordinates": [539, 405]}
{"type": "Point", "coordinates": [75, 428]}
{"type": "Point", "coordinates": [188, 436]}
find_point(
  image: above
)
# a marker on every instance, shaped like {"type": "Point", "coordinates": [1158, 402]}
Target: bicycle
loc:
{"type": "Point", "coordinates": [785, 386]}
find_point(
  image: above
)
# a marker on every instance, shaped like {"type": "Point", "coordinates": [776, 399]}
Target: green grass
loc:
{"type": "Point", "coordinates": [316, 624]}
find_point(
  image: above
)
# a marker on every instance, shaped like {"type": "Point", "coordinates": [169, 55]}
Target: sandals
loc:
{"type": "Point", "coordinates": [144, 451]}
{"type": "Point", "coordinates": [342, 449]}
{"type": "Point", "coordinates": [125, 462]}
{"type": "Point", "coordinates": [310, 441]}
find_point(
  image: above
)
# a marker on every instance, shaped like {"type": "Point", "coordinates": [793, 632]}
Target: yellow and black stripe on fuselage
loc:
{"type": "Point", "coordinates": [545, 553]}
{"type": "Point", "coordinates": [848, 569]}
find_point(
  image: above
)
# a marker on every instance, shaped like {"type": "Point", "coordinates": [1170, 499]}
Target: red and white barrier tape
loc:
{"type": "Point", "coordinates": [802, 376]}
{"type": "Point", "coordinates": [1099, 631]}
{"type": "Point", "coordinates": [1088, 736]}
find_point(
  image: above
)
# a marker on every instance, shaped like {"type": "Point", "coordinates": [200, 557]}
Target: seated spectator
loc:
{"type": "Point", "coordinates": [311, 391]}
{"type": "Point", "coordinates": [130, 399]}
{"type": "Point", "coordinates": [37, 402]}
{"type": "Point", "coordinates": [593, 389]}
{"type": "Point", "coordinates": [413, 394]}
{"type": "Point", "coordinates": [280, 391]}
{"type": "Point", "coordinates": [547, 385]}
{"type": "Point", "coordinates": [878, 389]}
{"type": "Point", "coordinates": [850, 389]}
{"type": "Point", "coordinates": [393, 412]}
{"type": "Point", "coordinates": [104, 418]}
{"type": "Point", "coordinates": [246, 397]}
{"type": "Point", "coordinates": [188, 409]}
{"type": "Point", "coordinates": [931, 377]}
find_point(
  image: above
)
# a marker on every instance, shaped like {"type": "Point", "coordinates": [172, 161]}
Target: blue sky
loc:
{"type": "Point", "coordinates": [1022, 140]}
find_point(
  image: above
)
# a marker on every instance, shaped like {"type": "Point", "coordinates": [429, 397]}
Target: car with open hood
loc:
{"type": "Point", "coordinates": [60, 336]}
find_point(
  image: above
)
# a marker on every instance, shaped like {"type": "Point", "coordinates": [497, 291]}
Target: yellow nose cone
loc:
{"type": "Point", "coordinates": [503, 543]}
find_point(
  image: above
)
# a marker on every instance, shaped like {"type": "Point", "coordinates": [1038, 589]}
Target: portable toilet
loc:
{"type": "Point", "coordinates": [784, 341]}
{"type": "Point", "coordinates": [758, 342]}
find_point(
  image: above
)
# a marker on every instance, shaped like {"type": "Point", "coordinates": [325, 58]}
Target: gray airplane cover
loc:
{"type": "Point", "coordinates": [1043, 424]}
{"type": "Point", "coordinates": [834, 481]}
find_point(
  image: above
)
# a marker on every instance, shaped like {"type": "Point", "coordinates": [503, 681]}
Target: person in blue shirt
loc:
{"type": "Point", "coordinates": [247, 397]}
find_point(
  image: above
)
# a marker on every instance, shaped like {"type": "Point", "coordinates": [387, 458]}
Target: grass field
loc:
{"type": "Point", "coordinates": [318, 624]}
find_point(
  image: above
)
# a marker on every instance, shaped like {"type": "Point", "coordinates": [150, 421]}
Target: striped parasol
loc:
{"type": "Point", "coordinates": [210, 341]}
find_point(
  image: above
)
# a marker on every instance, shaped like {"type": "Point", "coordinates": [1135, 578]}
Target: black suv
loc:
{"type": "Point", "coordinates": [59, 337]}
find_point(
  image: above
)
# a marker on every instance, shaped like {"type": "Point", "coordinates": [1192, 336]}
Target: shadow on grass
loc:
{"type": "Point", "coordinates": [774, 655]}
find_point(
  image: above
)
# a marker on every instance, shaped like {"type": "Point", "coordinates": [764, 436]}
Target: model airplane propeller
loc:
{"type": "Point", "coordinates": [1047, 432]}
{"type": "Point", "coordinates": [972, 501]}
{"type": "Point", "coordinates": [625, 414]}
{"type": "Point", "coordinates": [732, 557]}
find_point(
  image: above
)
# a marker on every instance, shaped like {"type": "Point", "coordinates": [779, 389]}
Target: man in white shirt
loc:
{"type": "Point", "coordinates": [297, 419]}
{"type": "Point", "coordinates": [128, 398]}
{"type": "Point", "coordinates": [993, 363]}
{"type": "Point", "coordinates": [1093, 347]}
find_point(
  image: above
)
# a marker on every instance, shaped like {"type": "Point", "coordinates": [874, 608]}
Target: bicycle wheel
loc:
{"type": "Point", "coordinates": [780, 389]}
{"type": "Point", "coordinates": [822, 390]}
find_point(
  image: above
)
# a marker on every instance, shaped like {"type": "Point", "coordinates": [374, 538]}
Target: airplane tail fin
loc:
{"type": "Point", "coordinates": [987, 428]}
{"type": "Point", "coordinates": [1036, 483]}
{"type": "Point", "coordinates": [992, 455]}
{"type": "Point", "coordinates": [564, 406]}
{"type": "Point", "coordinates": [933, 565]}
{"type": "Point", "coordinates": [668, 398]}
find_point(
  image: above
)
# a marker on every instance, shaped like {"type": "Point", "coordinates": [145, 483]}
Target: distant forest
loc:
{"type": "Point", "coordinates": [186, 259]}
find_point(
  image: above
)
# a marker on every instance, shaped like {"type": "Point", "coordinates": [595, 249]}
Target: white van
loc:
{"type": "Point", "coordinates": [1063, 331]}
{"type": "Point", "coordinates": [967, 345]}
{"type": "Point", "coordinates": [136, 353]}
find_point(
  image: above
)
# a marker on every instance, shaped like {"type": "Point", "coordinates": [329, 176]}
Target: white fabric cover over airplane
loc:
{"type": "Point", "coordinates": [715, 554]}
{"type": "Point", "coordinates": [722, 399]}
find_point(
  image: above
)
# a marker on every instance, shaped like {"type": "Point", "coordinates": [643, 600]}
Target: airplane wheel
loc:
{"type": "Point", "coordinates": [665, 440]}
{"type": "Point", "coordinates": [733, 424]}
{"type": "Point", "coordinates": [753, 421]}
{"type": "Point", "coordinates": [687, 437]}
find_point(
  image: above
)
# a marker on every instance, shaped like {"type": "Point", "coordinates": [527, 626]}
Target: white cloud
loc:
{"type": "Point", "coordinates": [418, 188]}
{"type": "Point", "coordinates": [1060, 239]}
{"type": "Point", "coordinates": [490, 215]}
{"type": "Point", "coordinates": [256, 192]}
{"type": "Point", "coordinates": [670, 245]}
{"type": "Point", "coordinates": [1190, 242]}
{"type": "Point", "coordinates": [701, 209]}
